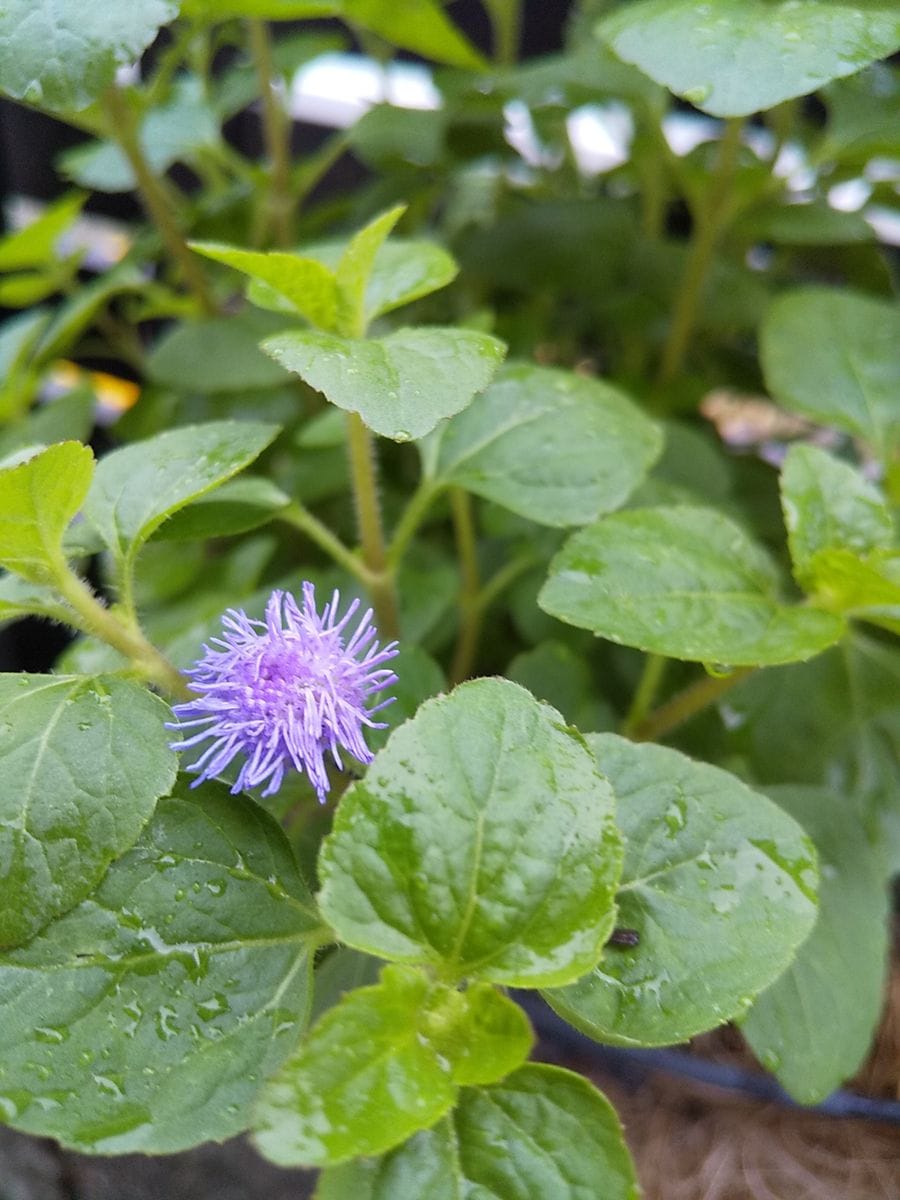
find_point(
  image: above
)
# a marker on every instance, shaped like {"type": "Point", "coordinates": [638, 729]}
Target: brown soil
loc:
{"type": "Point", "coordinates": [692, 1141]}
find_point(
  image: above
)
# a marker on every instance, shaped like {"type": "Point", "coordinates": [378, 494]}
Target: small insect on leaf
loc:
{"type": "Point", "coordinates": [624, 937]}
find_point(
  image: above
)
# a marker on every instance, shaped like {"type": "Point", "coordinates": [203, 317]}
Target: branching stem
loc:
{"type": "Point", "coordinates": [102, 623]}
{"type": "Point", "coordinates": [687, 704]}
{"type": "Point", "coordinates": [298, 516]}
{"type": "Point", "coordinates": [155, 197]}
{"type": "Point", "coordinates": [371, 533]}
{"type": "Point", "coordinates": [709, 222]}
{"type": "Point", "coordinates": [470, 610]}
{"type": "Point", "coordinates": [277, 132]}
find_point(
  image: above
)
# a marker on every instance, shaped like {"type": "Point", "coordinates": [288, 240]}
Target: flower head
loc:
{"type": "Point", "coordinates": [285, 692]}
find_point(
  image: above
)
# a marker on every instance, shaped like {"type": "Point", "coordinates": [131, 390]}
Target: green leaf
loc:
{"type": "Point", "coordinates": [417, 25]}
{"type": "Point", "coordinates": [355, 268]}
{"type": "Point", "coordinates": [83, 762]}
{"type": "Point", "coordinates": [865, 587]}
{"type": "Point", "coordinates": [402, 270]}
{"type": "Point", "coordinates": [843, 708]}
{"type": "Point", "coordinates": [549, 445]}
{"type": "Point", "coordinates": [383, 1063]}
{"type": "Point", "coordinates": [481, 1032]}
{"type": "Point", "coordinates": [61, 54]}
{"type": "Point", "coordinates": [720, 886]}
{"type": "Point", "coordinates": [832, 355]}
{"type": "Point", "coordinates": [405, 270]}
{"type": "Point", "coordinates": [813, 223]}
{"type": "Point", "coordinates": [147, 1018]}
{"type": "Point", "coordinates": [235, 507]}
{"type": "Point", "coordinates": [400, 385]}
{"type": "Point", "coordinates": [75, 314]}
{"type": "Point", "coordinates": [136, 488]}
{"type": "Point", "coordinates": [19, 598]}
{"type": "Point", "coordinates": [863, 115]}
{"type": "Point", "coordinates": [544, 1132]}
{"type": "Point", "coordinates": [217, 355]}
{"type": "Point", "coordinates": [425, 1165]}
{"type": "Point", "coordinates": [69, 418]}
{"type": "Point", "coordinates": [263, 10]}
{"type": "Point", "coordinates": [38, 499]}
{"type": "Point", "coordinates": [481, 841]}
{"type": "Point", "coordinates": [18, 337]}
{"type": "Point", "coordinates": [36, 244]}
{"type": "Point", "coordinates": [835, 985]}
{"type": "Point", "coordinates": [307, 284]}
{"type": "Point", "coordinates": [828, 504]}
{"type": "Point", "coordinates": [685, 582]}
{"type": "Point", "coordinates": [554, 672]}
{"type": "Point", "coordinates": [701, 51]}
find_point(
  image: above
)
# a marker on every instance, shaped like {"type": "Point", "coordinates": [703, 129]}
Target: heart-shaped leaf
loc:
{"type": "Point", "coordinates": [685, 582]}
{"type": "Point", "coordinates": [719, 886]}
{"type": "Point", "coordinates": [560, 1138]}
{"type": "Point", "coordinates": [401, 385]}
{"type": "Point", "coordinates": [552, 446]}
{"type": "Point", "coordinates": [481, 842]}
{"type": "Point", "coordinates": [84, 761]}
{"type": "Point", "coordinates": [702, 51]}
{"type": "Point", "coordinates": [38, 499]}
{"type": "Point", "coordinates": [384, 1062]}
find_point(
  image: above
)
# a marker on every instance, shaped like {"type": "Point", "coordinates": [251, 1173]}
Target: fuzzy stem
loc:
{"type": "Point", "coordinates": [155, 197]}
{"type": "Point", "coordinates": [508, 574]}
{"type": "Point", "coordinates": [299, 517]}
{"type": "Point", "coordinates": [506, 27]}
{"type": "Point", "coordinates": [413, 515]}
{"type": "Point", "coordinates": [645, 693]}
{"type": "Point", "coordinates": [129, 641]}
{"type": "Point", "coordinates": [371, 534]}
{"type": "Point", "coordinates": [687, 704]}
{"type": "Point", "coordinates": [277, 131]}
{"type": "Point", "coordinates": [708, 225]}
{"type": "Point", "coordinates": [470, 611]}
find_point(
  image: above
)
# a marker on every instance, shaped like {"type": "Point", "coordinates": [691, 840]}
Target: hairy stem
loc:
{"type": "Point", "coordinates": [645, 693]}
{"type": "Point", "coordinates": [507, 575]}
{"type": "Point", "coordinates": [687, 704]}
{"type": "Point", "coordinates": [277, 132]}
{"type": "Point", "coordinates": [371, 533]}
{"type": "Point", "coordinates": [155, 197]}
{"type": "Point", "coordinates": [301, 518]}
{"type": "Point", "coordinates": [102, 623]}
{"type": "Point", "coordinates": [413, 515]}
{"type": "Point", "coordinates": [506, 27]}
{"type": "Point", "coordinates": [470, 610]}
{"type": "Point", "coordinates": [709, 222]}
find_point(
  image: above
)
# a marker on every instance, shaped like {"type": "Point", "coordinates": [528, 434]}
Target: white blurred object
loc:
{"type": "Point", "coordinates": [337, 89]}
{"type": "Point", "coordinates": [600, 135]}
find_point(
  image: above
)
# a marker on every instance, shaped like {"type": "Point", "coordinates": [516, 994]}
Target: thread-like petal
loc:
{"type": "Point", "coordinates": [285, 692]}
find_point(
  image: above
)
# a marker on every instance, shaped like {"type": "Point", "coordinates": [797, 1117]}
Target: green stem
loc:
{"type": "Point", "coordinates": [128, 640]}
{"type": "Point", "coordinates": [506, 27]}
{"type": "Point", "coordinates": [277, 133]}
{"type": "Point", "coordinates": [301, 518]}
{"type": "Point", "coordinates": [470, 610]}
{"type": "Point", "coordinates": [155, 197]}
{"type": "Point", "coordinates": [709, 223]}
{"type": "Point", "coordinates": [413, 515]}
{"type": "Point", "coordinates": [687, 704]}
{"type": "Point", "coordinates": [371, 533]}
{"type": "Point", "coordinates": [309, 173]}
{"type": "Point", "coordinates": [645, 693]}
{"type": "Point", "coordinates": [508, 574]}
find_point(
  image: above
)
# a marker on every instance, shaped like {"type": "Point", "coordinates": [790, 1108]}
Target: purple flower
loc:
{"type": "Point", "coordinates": [285, 692]}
